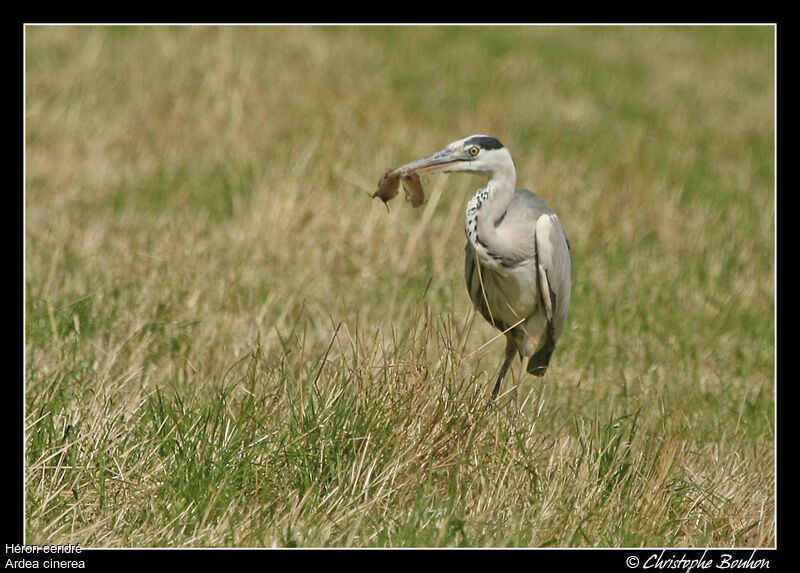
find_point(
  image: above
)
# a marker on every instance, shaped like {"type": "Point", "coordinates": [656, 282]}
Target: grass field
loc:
{"type": "Point", "coordinates": [228, 343]}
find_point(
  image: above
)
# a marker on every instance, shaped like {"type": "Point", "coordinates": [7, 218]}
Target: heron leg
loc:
{"type": "Point", "coordinates": [518, 383]}
{"type": "Point", "coordinates": [511, 349]}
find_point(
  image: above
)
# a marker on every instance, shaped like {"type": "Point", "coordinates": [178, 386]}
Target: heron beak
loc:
{"type": "Point", "coordinates": [440, 161]}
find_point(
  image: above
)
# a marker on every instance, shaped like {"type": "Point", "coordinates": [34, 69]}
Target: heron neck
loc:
{"type": "Point", "coordinates": [501, 188]}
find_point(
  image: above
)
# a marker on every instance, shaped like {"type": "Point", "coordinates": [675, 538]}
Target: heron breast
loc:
{"type": "Point", "coordinates": [510, 294]}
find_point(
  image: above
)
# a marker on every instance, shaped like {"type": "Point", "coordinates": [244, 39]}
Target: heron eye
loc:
{"type": "Point", "coordinates": [473, 151]}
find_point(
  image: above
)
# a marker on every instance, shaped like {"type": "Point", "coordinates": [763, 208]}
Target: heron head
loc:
{"type": "Point", "coordinates": [474, 154]}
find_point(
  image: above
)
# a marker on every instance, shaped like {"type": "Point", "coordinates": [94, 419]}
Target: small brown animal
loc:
{"type": "Point", "coordinates": [389, 183]}
{"type": "Point", "coordinates": [388, 186]}
{"type": "Point", "coordinates": [413, 188]}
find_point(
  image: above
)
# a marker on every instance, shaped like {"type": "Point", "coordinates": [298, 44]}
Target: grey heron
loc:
{"type": "Point", "coordinates": [518, 264]}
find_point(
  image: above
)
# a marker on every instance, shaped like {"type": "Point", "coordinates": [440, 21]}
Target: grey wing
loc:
{"type": "Point", "coordinates": [554, 265]}
{"type": "Point", "coordinates": [553, 259]}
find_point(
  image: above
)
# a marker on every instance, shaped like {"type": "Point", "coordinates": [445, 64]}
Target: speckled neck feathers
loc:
{"type": "Point", "coordinates": [485, 212]}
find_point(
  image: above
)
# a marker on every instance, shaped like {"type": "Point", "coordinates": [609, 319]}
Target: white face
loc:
{"type": "Point", "coordinates": [474, 154]}
{"type": "Point", "coordinates": [481, 160]}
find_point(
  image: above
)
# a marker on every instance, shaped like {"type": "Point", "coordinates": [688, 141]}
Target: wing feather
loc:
{"type": "Point", "coordinates": [554, 266]}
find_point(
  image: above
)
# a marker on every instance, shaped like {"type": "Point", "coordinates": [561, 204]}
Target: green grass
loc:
{"type": "Point", "coordinates": [229, 344]}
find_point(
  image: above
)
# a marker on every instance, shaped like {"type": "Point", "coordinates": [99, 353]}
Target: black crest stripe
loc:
{"type": "Point", "coordinates": [484, 142]}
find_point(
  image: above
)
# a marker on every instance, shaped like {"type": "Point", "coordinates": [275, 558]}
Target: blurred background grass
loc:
{"type": "Point", "coordinates": [196, 200]}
